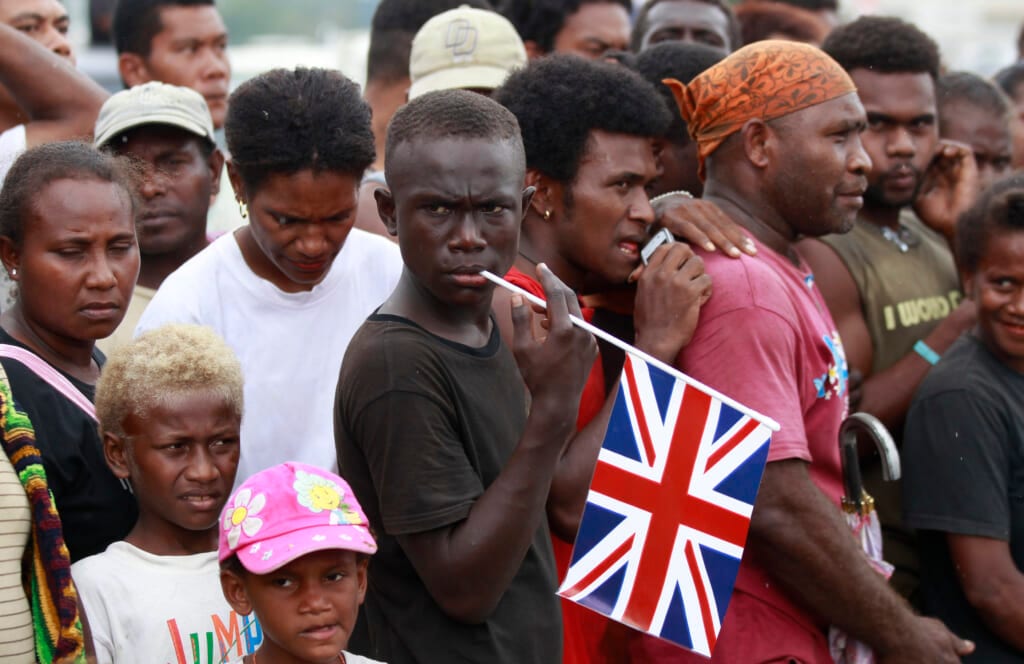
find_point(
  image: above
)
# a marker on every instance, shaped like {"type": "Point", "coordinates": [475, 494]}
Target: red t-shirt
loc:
{"type": "Point", "coordinates": [593, 392]}
{"type": "Point", "coordinates": [766, 339]}
{"type": "Point", "coordinates": [582, 629]}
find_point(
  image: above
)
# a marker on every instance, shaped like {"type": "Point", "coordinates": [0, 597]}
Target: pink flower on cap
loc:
{"type": "Point", "coordinates": [241, 515]}
{"type": "Point", "coordinates": [284, 512]}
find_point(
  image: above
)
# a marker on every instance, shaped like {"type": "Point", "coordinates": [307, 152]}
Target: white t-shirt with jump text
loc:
{"type": "Point", "coordinates": [168, 609]}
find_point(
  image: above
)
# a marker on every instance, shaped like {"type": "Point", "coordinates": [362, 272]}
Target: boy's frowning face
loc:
{"type": "Point", "coordinates": [456, 206]}
{"type": "Point", "coordinates": [181, 460]}
{"type": "Point", "coordinates": [307, 608]}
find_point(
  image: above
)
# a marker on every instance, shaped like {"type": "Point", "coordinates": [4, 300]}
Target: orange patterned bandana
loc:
{"type": "Point", "coordinates": [766, 80]}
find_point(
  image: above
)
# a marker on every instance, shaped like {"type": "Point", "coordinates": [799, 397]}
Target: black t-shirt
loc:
{"type": "Point", "coordinates": [423, 426]}
{"type": "Point", "coordinates": [95, 508]}
{"type": "Point", "coordinates": [963, 454]}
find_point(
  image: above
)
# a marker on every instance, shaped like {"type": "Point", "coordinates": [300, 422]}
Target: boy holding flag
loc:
{"type": "Point", "coordinates": [431, 420]}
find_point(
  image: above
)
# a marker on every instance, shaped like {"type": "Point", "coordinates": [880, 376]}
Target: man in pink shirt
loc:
{"type": "Point", "coordinates": [778, 126]}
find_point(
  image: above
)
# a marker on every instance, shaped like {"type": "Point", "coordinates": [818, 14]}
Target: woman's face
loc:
{"type": "Point", "coordinates": [299, 222]}
{"type": "Point", "coordinates": [78, 260]}
{"type": "Point", "coordinates": [997, 287]}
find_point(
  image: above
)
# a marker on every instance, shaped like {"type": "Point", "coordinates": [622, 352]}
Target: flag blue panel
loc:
{"type": "Point", "coordinates": [595, 525]}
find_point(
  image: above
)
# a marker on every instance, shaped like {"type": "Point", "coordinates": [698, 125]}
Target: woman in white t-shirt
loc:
{"type": "Point", "coordinates": [288, 290]}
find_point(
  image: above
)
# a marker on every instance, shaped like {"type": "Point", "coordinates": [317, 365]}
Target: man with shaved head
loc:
{"type": "Point", "coordinates": [777, 126]}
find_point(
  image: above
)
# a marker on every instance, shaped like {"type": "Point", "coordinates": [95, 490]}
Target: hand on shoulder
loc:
{"type": "Point", "coordinates": [701, 223]}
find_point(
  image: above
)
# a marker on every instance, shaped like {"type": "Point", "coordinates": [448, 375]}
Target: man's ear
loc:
{"type": "Point", "coordinates": [115, 451]}
{"type": "Point", "coordinates": [215, 162]}
{"type": "Point", "coordinates": [233, 587]}
{"type": "Point", "coordinates": [386, 209]}
{"type": "Point", "coordinates": [756, 136]}
{"type": "Point", "coordinates": [528, 194]}
{"type": "Point", "coordinates": [133, 69]}
{"type": "Point", "coordinates": [11, 257]}
{"type": "Point", "coordinates": [547, 197]}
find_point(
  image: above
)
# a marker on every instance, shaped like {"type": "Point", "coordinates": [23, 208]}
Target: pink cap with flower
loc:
{"type": "Point", "coordinates": [287, 511]}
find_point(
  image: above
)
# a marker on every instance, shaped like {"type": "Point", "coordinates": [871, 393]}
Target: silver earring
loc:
{"type": "Point", "coordinates": [14, 272]}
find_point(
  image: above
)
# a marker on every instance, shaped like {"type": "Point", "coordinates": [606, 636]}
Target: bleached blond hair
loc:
{"type": "Point", "coordinates": [163, 363]}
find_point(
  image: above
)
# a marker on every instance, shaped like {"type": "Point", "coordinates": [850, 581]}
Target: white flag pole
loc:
{"type": "Point", "coordinates": [650, 359]}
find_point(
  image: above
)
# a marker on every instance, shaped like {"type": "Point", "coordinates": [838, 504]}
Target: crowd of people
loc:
{"type": "Point", "coordinates": [259, 403]}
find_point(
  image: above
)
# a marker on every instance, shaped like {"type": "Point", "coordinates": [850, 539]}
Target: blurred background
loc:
{"type": "Point", "coordinates": [976, 35]}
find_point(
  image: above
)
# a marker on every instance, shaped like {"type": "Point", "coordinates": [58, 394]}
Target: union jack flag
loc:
{"type": "Point", "coordinates": [666, 519]}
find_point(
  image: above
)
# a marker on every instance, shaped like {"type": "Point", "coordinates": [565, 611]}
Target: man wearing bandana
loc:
{"type": "Point", "coordinates": [778, 127]}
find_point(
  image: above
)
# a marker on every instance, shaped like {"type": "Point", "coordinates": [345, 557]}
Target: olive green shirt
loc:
{"type": "Point", "coordinates": [903, 295]}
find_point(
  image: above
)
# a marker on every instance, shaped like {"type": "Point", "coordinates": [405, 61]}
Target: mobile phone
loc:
{"type": "Point", "coordinates": [663, 236]}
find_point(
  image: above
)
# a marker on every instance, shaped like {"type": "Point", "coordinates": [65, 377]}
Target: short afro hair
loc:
{"type": "Point", "coordinates": [999, 209]}
{"type": "Point", "coordinates": [164, 363]}
{"type": "Point", "coordinates": [765, 20]}
{"type": "Point", "coordinates": [640, 23]}
{"type": "Point", "coordinates": [885, 45]}
{"type": "Point", "coordinates": [682, 61]}
{"type": "Point", "coordinates": [136, 22]}
{"type": "Point", "coordinates": [285, 121]}
{"type": "Point", "coordinates": [560, 99]}
{"type": "Point", "coordinates": [973, 89]}
{"type": "Point", "coordinates": [451, 114]}
{"type": "Point", "coordinates": [540, 21]}
{"type": "Point", "coordinates": [394, 24]}
{"type": "Point", "coordinates": [40, 166]}
{"type": "Point", "coordinates": [1010, 79]}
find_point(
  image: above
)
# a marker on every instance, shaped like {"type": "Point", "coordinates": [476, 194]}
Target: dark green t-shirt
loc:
{"type": "Point", "coordinates": [423, 426]}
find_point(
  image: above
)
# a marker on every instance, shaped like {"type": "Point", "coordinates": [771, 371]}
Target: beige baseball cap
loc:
{"type": "Point", "coordinates": [153, 103]}
{"type": "Point", "coordinates": [464, 48]}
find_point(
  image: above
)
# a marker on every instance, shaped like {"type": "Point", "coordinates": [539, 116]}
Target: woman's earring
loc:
{"type": "Point", "coordinates": [14, 272]}
{"type": "Point", "coordinates": [243, 209]}
{"type": "Point", "coordinates": [547, 215]}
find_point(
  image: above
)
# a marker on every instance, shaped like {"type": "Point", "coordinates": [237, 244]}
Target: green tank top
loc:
{"type": "Point", "coordinates": [903, 294]}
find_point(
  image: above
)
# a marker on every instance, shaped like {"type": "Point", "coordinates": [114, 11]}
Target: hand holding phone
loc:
{"type": "Point", "coordinates": [663, 236]}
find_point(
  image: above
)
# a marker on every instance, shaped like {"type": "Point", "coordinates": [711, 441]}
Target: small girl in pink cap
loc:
{"type": "Point", "coordinates": [294, 549]}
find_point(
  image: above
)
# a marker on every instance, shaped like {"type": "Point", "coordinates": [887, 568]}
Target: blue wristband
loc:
{"type": "Point", "coordinates": [929, 355]}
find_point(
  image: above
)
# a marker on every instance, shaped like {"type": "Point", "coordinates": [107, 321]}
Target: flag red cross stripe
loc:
{"type": "Point", "coordinates": [610, 561]}
{"type": "Point", "coordinates": [702, 597]}
{"type": "Point", "coordinates": [670, 504]}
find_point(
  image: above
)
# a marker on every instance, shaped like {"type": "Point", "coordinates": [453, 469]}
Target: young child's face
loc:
{"type": "Point", "coordinates": [181, 459]}
{"type": "Point", "coordinates": [307, 608]}
{"type": "Point", "coordinates": [456, 205]}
